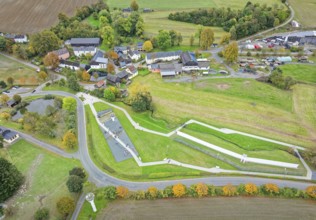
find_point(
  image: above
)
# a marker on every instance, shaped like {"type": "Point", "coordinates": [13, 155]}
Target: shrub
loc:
{"type": "Point", "coordinates": [49, 96]}
{"type": "Point", "coordinates": [271, 189]}
{"type": "Point", "coordinates": [65, 206]}
{"type": "Point", "coordinates": [152, 192]}
{"type": "Point", "coordinates": [288, 192]}
{"type": "Point", "coordinates": [47, 84]}
{"type": "Point", "coordinates": [110, 192]}
{"type": "Point", "coordinates": [251, 189]}
{"type": "Point", "coordinates": [211, 190]}
{"type": "Point", "coordinates": [75, 184]}
{"type": "Point", "coordinates": [167, 192]}
{"type": "Point", "coordinates": [178, 190]}
{"type": "Point", "coordinates": [140, 194]}
{"type": "Point", "coordinates": [41, 214]}
{"type": "Point", "coordinates": [229, 190]}
{"type": "Point", "coordinates": [201, 189]}
{"type": "Point", "coordinates": [122, 192]}
{"type": "Point", "coordinates": [241, 189]}
{"type": "Point", "coordinates": [77, 171]}
{"type": "Point", "coordinates": [311, 191]}
{"type": "Point", "coordinates": [191, 192]}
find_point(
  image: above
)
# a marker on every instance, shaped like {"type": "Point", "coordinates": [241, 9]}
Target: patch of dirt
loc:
{"type": "Point", "coordinates": [247, 83]}
{"type": "Point", "coordinates": [223, 86]}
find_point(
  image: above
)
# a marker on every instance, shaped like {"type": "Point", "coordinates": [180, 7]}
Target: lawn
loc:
{"type": "Point", "coordinates": [46, 175]}
{"type": "Point", "coordinates": [241, 144]}
{"type": "Point", "coordinates": [300, 72]}
{"type": "Point", "coordinates": [55, 87]}
{"type": "Point", "coordinates": [304, 11]}
{"type": "Point", "coordinates": [158, 149]}
{"type": "Point", "coordinates": [21, 74]}
{"type": "Point", "coordinates": [240, 104]}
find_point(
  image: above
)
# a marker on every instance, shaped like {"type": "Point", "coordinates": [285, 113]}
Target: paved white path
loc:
{"type": "Point", "coordinates": [90, 100]}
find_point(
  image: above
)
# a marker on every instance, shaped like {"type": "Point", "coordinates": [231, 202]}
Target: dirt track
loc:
{"type": "Point", "coordinates": [212, 208]}
{"type": "Point", "coordinates": [29, 16]}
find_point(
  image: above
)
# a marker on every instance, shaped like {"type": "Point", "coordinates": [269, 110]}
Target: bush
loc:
{"type": "Point", "coordinates": [41, 214]}
{"type": "Point", "coordinates": [311, 191]}
{"type": "Point", "coordinates": [152, 192]}
{"type": "Point", "coordinates": [75, 184]}
{"type": "Point", "coordinates": [271, 189]}
{"type": "Point", "coordinates": [201, 189]}
{"type": "Point", "coordinates": [211, 190]}
{"type": "Point", "coordinates": [139, 195]}
{"type": "Point", "coordinates": [168, 191]}
{"type": "Point", "coordinates": [65, 206]}
{"type": "Point", "coordinates": [48, 97]}
{"type": "Point", "coordinates": [110, 192]}
{"type": "Point", "coordinates": [122, 192]}
{"type": "Point", "coordinates": [178, 190]}
{"type": "Point", "coordinates": [78, 171]}
{"type": "Point", "coordinates": [229, 190]}
{"type": "Point", "coordinates": [251, 189]}
{"type": "Point", "coordinates": [288, 192]}
{"type": "Point", "coordinates": [47, 84]}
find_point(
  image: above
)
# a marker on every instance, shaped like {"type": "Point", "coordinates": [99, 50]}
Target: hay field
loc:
{"type": "Point", "coordinates": [30, 16]}
{"type": "Point", "coordinates": [305, 12]}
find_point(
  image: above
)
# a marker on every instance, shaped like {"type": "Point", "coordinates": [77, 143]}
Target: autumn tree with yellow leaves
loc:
{"type": "Point", "coordinates": [201, 189]}
{"type": "Point", "coordinates": [178, 190]}
{"type": "Point", "coordinates": [122, 192]}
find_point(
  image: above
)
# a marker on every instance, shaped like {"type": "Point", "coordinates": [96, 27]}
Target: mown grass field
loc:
{"type": "Point", "coordinates": [301, 73]}
{"type": "Point", "coordinates": [150, 148]}
{"type": "Point", "coordinates": [46, 175]}
{"type": "Point", "coordinates": [305, 11]}
{"type": "Point", "coordinates": [21, 74]}
{"type": "Point", "coordinates": [240, 104]}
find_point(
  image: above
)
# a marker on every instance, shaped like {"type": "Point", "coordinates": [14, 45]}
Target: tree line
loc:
{"type": "Point", "coordinates": [240, 23]}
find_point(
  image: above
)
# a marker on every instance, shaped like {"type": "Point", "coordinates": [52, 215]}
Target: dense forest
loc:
{"type": "Point", "coordinates": [240, 23]}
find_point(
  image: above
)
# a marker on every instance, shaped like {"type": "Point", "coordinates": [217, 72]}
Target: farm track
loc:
{"type": "Point", "coordinates": [30, 16]}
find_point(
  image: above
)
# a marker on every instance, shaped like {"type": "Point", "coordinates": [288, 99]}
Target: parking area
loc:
{"type": "Point", "coordinates": [17, 90]}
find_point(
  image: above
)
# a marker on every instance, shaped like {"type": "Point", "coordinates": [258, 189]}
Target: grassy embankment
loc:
{"type": "Point", "coordinates": [46, 175]}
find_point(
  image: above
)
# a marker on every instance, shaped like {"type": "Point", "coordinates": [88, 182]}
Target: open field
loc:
{"type": "Point", "coordinates": [159, 148]}
{"type": "Point", "coordinates": [185, 4]}
{"type": "Point", "coordinates": [21, 74]}
{"type": "Point", "coordinates": [46, 176]}
{"type": "Point", "coordinates": [305, 12]}
{"type": "Point", "coordinates": [211, 208]}
{"type": "Point", "coordinates": [240, 104]}
{"type": "Point", "coordinates": [30, 16]}
{"type": "Point", "coordinates": [301, 73]}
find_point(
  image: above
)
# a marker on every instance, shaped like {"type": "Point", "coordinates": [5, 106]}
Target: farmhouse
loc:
{"type": "Point", "coordinates": [8, 135]}
{"type": "Point", "coordinates": [162, 56]}
{"type": "Point", "coordinates": [121, 49]}
{"type": "Point", "coordinates": [69, 64]}
{"type": "Point", "coordinates": [98, 61]}
{"type": "Point", "coordinates": [79, 51]}
{"type": "Point", "coordinates": [63, 54]}
{"type": "Point", "coordinates": [123, 75]}
{"type": "Point", "coordinates": [85, 42]}
{"type": "Point", "coordinates": [134, 55]}
{"type": "Point", "coordinates": [112, 79]}
{"type": "Point", "coordinates": [100, 84]}
{"type": "Point", "coordinates": [21, 38]}
{"type": "Point", "coordinates": [170, 69]}
{"type": "Point", "coordinates": [132, 71]}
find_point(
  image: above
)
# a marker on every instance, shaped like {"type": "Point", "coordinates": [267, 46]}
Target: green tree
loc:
{"type": "Point", "coordinates": [192, 40]}
{"type": "Point", "coordinates": [70, 140]}
{"type": "Point", "coordinates": [41, 214]}
{"type": "Point", "coordinates": [42, 75]}
{"type": "Point", "coordinates": [276, 22]}
{"type": "Point", "coordinates": [73, 84]}
{"type": "Point", "coordinates": [74, 184]}
{"type": "Point", "coordinates": [85, 76]}
{"type": "Point", "coordinates": [10, 80]}
{"type": "Point", "coordinates": [107, 34]}
{"type": "Point", "coordinates": [17, 98]}
{"type": "Point", "coordinates": [4, 99]}
{"type": "Point", "coordinates": [69, 104]}
{"type": "Point", "coordinates": [230, 52]}
{"type": "Point", "coordinates": [147, 46]}
{"type": "Point", "coordinates": [3, 84]}
{"type": "Point", "coordinates": [140, 27]}
{"type": "Point", "coordinates": [134, 5]}
{"type": "Point", "coordinates": [163, 39]}
{"type": "Point", "coordinates": [206, 38]}
{"type": "Point", "coordinates": [44, 42]}
{"type": "Point", "coordinates": [3, 43]}
{"type": "Point", "coordinates": [65, 206]}
{"type": "Point", "coordinates": [233, 34]}
{"type": "Point", "coordinates": [78, 171]}
{"type": "Point", "coordinates": [110, 192]}
{"type": "Point", "coordinates": [10, 179]}
{"type": "Point", "coordinates": [109, 95]}
{"type": "Point", "coordinates": [225, 39]}
{"type": "Point", "coordinates": [199, 32]}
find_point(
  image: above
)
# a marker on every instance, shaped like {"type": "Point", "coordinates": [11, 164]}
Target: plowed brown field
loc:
{"type": "Point", "coordinates": [30, 16]}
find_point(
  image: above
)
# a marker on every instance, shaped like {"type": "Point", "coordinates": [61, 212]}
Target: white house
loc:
{"type": "Point", "coordinates": [98, 61]}
{"type": "Point", "coordinates": [79, 51]}
{"type": "Point", "coordinates": [162, 56]}
{"type": "Point", "coordinates": [134, 55]}
{"type": "Point", "coordinates": [9, 136]}
{"type": "Point", "coordinates": [69, 64]}
{"type": "Point", "coordinates": [20, 39]}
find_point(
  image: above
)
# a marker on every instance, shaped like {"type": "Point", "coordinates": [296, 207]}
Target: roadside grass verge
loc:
{"type": "Point", "coordinates": [55, 87]}
{"type": "Point", "coordinates": [46, 175]}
